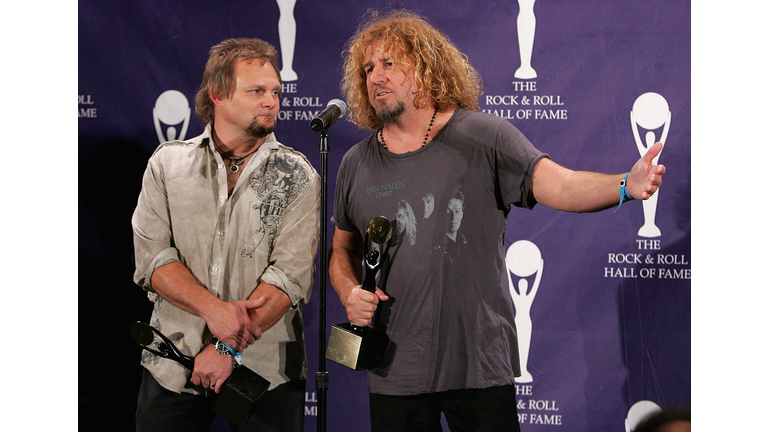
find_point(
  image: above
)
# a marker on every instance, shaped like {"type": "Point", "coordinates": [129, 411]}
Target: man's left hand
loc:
{"type": "Point", "coordinates": [645, 178]}
{"type": "Point", "coordinates": [212, 369]}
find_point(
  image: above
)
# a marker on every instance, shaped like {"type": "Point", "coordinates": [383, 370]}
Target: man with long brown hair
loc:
{"type": "Point", "coordinates": [225, 234]}
{"type": "Point", "coordinates": [450, 316]}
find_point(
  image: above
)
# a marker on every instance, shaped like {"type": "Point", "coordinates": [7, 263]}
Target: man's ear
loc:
{"type": "Point", "coordinates": [216, 96]}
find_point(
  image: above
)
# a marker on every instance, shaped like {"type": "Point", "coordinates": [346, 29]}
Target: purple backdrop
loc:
{"type": "Point", "coordinates": [608, 301]}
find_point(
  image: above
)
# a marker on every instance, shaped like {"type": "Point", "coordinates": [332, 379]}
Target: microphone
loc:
{"type": "Point", "coordinates": [335, 110]}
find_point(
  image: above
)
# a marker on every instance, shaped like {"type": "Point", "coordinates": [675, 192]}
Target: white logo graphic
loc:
{"type": "Point", "coordinates": [523, 260]}
{"type": "Point", "coordinates": [526, 29]}
{"type": "Point", "coordinates": [650, 111]}
{"type": "Point", "coordinates": [171, 109]}
{"type": "Point", "coordinates": [286, 27]}
{"type": "Point", "coordinates": [639, 412]}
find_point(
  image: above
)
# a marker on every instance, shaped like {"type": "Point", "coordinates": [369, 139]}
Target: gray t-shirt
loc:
{"type": "Point", "coordinates": [450, 314]}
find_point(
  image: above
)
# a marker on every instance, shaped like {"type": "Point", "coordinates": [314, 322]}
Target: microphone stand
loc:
{"type": "Point", "coordinates": [321, 377]}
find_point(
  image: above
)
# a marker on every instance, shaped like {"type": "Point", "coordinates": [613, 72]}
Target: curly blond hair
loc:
{"type": "Point", "coordinates": [443, 74]}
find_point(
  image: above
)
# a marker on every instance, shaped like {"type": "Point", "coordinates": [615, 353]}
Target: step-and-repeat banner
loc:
{"type": "Point", "coordinates": [603, 301]}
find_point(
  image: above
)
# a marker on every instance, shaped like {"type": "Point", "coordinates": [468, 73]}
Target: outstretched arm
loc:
{"type": "Point", "coordinates": [560, 188]}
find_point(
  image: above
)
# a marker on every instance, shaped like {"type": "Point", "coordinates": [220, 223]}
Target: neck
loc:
{"type": "Point", "coordinates": [235, 145]}
{"type": "Point", "coordinates": [409, 131]}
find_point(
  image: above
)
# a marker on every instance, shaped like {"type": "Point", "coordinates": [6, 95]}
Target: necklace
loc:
{"type": "Point", "coordinates": [234, 162]}
{"type": "Point", "coordinates": [426, 137]}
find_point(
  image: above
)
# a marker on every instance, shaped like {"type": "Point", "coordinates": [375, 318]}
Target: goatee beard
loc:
{"type": "Point", "coordinates": [389, 115]}
{"type": "Point", "coordinates": [258, 130]}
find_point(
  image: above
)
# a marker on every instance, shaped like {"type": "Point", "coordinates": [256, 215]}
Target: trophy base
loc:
{"type": "Point", "coordinates": [358, 348]}
{"type": "Point", "coordinates": [242, 389]}
{"type": "Point", "coordinates": [649, 231]}
{"type": "Point", "coordinates": [525, 73]}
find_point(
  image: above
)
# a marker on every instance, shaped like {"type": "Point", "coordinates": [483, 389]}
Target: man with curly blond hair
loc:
{"type": "Point", "coordinates": [449, 315]}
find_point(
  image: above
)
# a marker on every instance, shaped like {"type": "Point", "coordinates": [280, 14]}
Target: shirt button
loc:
{"type": "Point", "coordinates": [221, 233]}
{"type": "Point", "coordinates": [222, 199]}
{"type": "Point", "coordinates": [221, 166]}
{"type": "Point", "coordinates": [215, 269]}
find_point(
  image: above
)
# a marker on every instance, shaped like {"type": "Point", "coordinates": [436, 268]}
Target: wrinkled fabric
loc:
{"type": "Point", "coordinates": [267, 230]}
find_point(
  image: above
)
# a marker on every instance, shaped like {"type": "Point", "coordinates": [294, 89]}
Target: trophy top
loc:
{"type": "Point", "coordinates": [142, 333]}
{"type": "Point", "coordinates": [380, 230]}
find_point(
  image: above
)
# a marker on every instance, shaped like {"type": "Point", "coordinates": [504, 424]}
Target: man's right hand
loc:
{"type": "Point", "coordinates": [229, 321]}
{"type": "Point", "coordinates": [361, 305]}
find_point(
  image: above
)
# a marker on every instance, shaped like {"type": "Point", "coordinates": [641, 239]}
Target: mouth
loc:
{"type": "Point", "coordinates": [378, 94]}
{"type": "Point", "coordinates": [263, 115]}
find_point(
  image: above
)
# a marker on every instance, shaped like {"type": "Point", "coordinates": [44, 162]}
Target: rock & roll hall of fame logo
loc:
{"type": "Point", "coordinates": [170, 113]}
{"type": "Point", "coordinates": [286, 28]}
{"type": "Point", "coordinates": [651, 113]}
{"type": "Point", "coordinates": [638, 412]}
{"type": "Point", "coordinates": [526, 30]}
{"type": "Point", "coordinates": [524, 262]}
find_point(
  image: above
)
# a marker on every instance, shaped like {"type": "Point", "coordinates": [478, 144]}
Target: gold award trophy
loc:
{"type": "Point", "coordinates": [360, 348]}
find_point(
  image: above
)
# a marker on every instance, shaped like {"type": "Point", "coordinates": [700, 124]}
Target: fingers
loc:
{"type": "Point", "coordinates": [247, 332]}
{"type": "Point", "coordinates": [653, 183]}
{"type": "Point", "coordinates": [362, 305]}
{"type": "Point", "coordinates": [653, 151]}
{"type": "Point", "coordinates": [361, 316]}
{"type": "Point", "coordinates": [209, 382]}
{"type": "Point", "coordinates": [255, 303]}
{"type": "Point", "coordinates": [211, 369]}
{"type": "Point", "coordinates": [381, 296]}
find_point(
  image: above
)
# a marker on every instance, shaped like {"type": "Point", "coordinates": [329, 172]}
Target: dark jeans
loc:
{"type": "Point", "coordinates": [473, 410]}
{"type": "Point", "coordinates": [161, 410]}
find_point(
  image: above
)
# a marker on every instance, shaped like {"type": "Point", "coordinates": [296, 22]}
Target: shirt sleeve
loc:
{"type": "Point", "coordinates": [516, 159]}
{"type": "Point", "coordinates": [295, 248]}
{"type": "Point", "coordinates": [344, 178]}
{"type": "Point", "coordinates": [152, 238]}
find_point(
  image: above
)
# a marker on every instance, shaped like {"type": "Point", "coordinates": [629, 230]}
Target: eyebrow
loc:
{"type": "Point", "coordinates": [368, 64]}
{"type": "Point", "coordinates": [261, 86]}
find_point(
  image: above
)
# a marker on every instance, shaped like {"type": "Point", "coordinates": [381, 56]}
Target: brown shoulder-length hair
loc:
{"type": "Point", "coordinates": [219, 74]}
{"type": "Point", "coordinates": [443, 74]}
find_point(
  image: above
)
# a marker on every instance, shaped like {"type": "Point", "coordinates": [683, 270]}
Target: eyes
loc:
{"type": "Point", "coordinates": [386, 65]}
{"type": "Point", "coordinates": [262, 91]}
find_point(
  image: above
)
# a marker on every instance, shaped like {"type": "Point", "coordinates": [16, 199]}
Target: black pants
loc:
{"type": "Point", "coordinates": [473, 410]}
{"type": "Point", "coordinates": [161, 410]}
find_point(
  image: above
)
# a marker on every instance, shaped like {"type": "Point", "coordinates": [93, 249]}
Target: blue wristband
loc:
{"type": "Point", "coordinates": [623, 191]}
{"type": "Point", "coordinates": [235, 354]}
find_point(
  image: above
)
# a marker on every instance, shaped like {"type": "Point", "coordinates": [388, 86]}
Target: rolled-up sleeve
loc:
{"type": "Point", "coordinates": [152, 237]}
{"type": "Point", "coordinates": [292, 260]}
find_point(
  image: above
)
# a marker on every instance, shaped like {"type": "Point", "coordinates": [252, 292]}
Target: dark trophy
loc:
{"type": "Point", "coordinates": [356, 347]}
{"type": "Point", "coordinates": [242, 389]}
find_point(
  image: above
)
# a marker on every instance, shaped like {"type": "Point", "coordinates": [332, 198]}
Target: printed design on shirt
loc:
{"type": "Point", "coordinates": [277, 184]}
{"type": "Point", "coordinates": [405, 223]}
{"type": "Point", "coordinates": [415, 218]}
{"type": "Point", "coordinates": [148, 358]}
{"type": "Point", "coordinates": [384, 189]}
{"type": "Point", "coordinates": [453, 214]}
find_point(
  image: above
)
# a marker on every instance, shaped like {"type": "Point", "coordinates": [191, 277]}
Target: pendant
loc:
{"type": "Point", "coordinates": [234, 168]}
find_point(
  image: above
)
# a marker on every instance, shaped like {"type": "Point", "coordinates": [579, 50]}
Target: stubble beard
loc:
{"type": "Point", "coordinates": [387, 115]}
{"type": "Point", "coordinates": [259, 130]}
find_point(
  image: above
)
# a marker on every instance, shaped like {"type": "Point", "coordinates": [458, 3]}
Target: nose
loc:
{"type": "Point", "coordinates": [376, 76]}
{"type": "Point", "coordinates": [270, 101]}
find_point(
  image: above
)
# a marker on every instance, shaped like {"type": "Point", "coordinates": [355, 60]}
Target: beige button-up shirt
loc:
{"type": "Point", "coordinates": [267, 230]}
